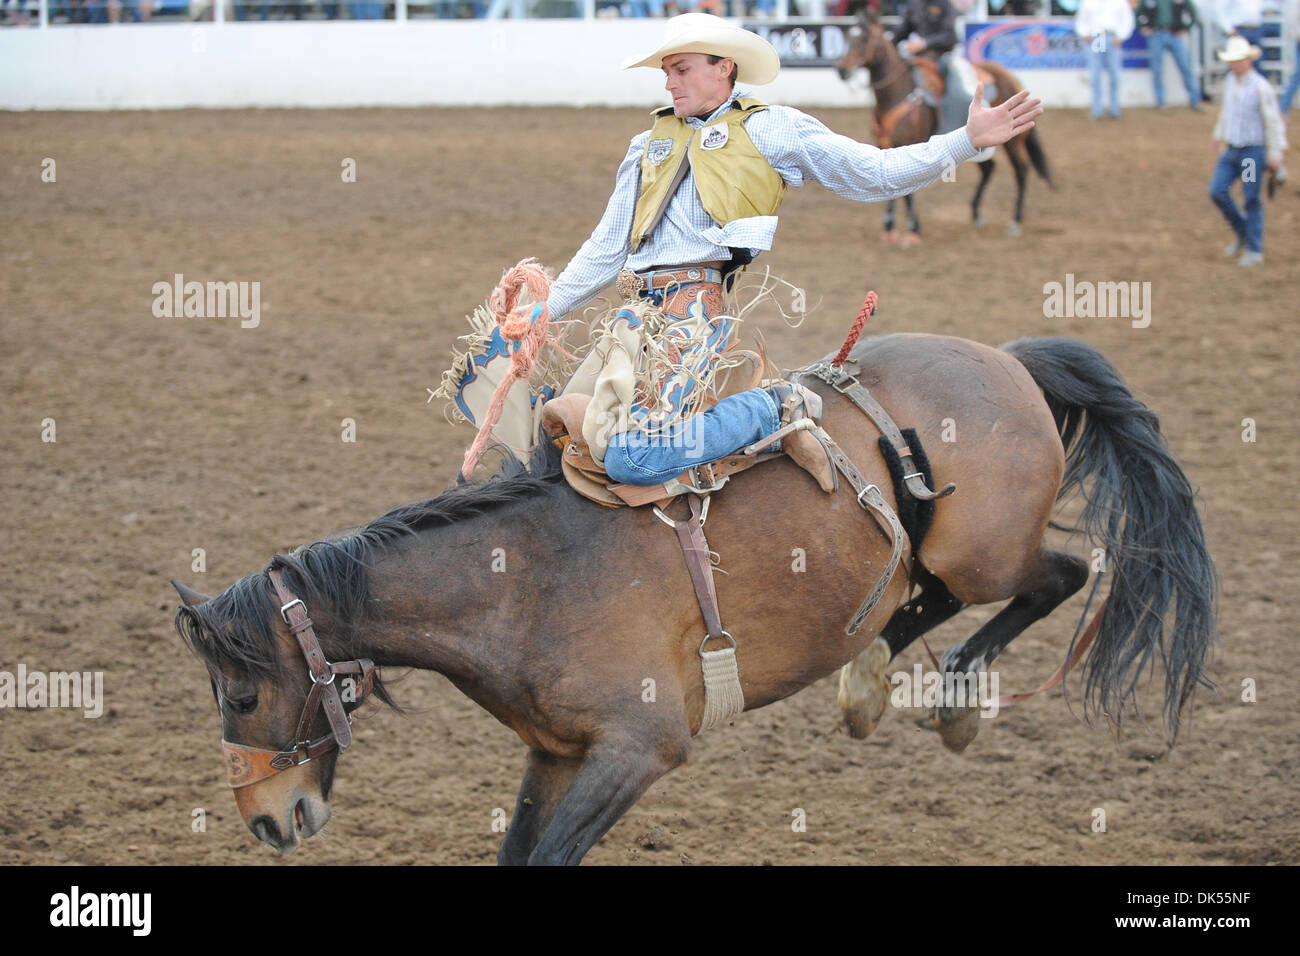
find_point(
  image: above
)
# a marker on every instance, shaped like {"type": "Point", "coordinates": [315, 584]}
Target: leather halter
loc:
{"type": "Point", "coordinates": [246, 765]}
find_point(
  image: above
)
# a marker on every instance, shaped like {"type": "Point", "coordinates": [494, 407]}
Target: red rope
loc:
{"type": "Point", "coordinates": [526, 325]}
{"type": "Point", "coordinates": [868, 306]}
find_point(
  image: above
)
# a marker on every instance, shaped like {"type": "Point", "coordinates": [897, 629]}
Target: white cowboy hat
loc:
{"type": "Point", "coordinates": [756, 59]}
{"type": "Point", "coordinates": [1239, 48]}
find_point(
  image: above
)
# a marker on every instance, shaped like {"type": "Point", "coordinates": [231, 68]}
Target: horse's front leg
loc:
{"type": "Point", "coordinates": [986, 170]}
{"type": "Point", "coordinates": [913, 235]}
{"type": "Point", "coordinates": [546, 779]}
{"type": "Point", "coordinates": [864, 681]}
{"type": "Point", "coordinates": [890, 236]}
{"type": "Point", "coordinates": [614, 774]}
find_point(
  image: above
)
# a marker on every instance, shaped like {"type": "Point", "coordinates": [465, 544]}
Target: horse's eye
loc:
{"type": "Point", "coordinates": [245, 705]}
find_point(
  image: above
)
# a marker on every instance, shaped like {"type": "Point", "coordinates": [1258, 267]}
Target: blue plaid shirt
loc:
{"type": "Point", "coordinates": [797, 146]}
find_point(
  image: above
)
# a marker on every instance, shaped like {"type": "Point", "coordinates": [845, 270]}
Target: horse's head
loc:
{"type": "Point", "coordinates": [867, 45]}
{"type": "Point", "coordinates": [262, 684]}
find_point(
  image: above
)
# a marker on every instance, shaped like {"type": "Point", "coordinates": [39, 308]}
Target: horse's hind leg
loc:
{"type": "Point", "coordinates": [613, 776]}
{"type": "Point", "coordinates": [1056, 576]}
{"type": "Point", "coordinates": [1020, 164]}
{"type": "Point", "coordinates": [864, 685]}
{"type": "Point", "coordinates": [986, 170]}
{"type": "Point", "coordinates": [546, 779]}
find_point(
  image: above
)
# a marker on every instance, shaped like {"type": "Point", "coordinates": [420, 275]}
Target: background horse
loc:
{"type": "Point", "coordinates": [901, 117]}
{"type": "Point", "coordinates": [576, 625]}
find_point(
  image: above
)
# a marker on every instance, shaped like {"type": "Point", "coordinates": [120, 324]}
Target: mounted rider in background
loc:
{"type": "Point", "coordinates": [928, 29]}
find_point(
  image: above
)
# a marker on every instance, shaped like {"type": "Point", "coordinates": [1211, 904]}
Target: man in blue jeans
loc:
{"type": "Point", "coordinates": [1103, 26]}
{"type": "Point", "coordinates": [1249, 136]}
{"type": "Point", "coordinates": [1293, 28]}
{"type": "Point", "coordinates": [1165, 24]}
{"type": "Point", "coordinates": [694, 199]}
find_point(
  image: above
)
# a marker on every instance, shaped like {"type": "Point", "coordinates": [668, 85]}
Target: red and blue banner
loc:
{"type": "Point", "coordinates": [1041, 45]}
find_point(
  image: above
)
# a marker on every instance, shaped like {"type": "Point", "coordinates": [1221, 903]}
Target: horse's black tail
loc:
{"type": "Point", "coordinates": [1140, 507]}
{"type": "Point", "coordinates": [1038, 157]}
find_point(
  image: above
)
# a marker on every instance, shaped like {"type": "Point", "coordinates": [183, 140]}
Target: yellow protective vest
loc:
{"type": "Point", "coordinates": [734, 180]}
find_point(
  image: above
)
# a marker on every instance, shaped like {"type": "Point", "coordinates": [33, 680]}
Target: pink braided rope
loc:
{"type": "Point", "coordinates": [515, 327]}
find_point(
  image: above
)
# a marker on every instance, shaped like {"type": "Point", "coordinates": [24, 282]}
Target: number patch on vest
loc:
{"type": "Point", "coordinates": [658, 150]}
{"type": "Point", "coordinates": [714, 137]}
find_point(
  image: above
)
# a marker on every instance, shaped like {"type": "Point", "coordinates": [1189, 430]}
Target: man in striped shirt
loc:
{"type": "Point", "coordinates": [1248, 137]}
{"type": "Point", "coordinates": [695, 197]}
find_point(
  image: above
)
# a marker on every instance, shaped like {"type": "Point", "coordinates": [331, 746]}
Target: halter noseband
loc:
{"type": "Point", "coordinates": [247, 765]}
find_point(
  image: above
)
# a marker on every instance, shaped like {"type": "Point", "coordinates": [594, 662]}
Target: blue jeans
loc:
{"type": "Point", "coordinates": [1157, 43]}
{"type": "Point", "coordinates": [637, 458]}
{"type": "Point", "coordinates": [1246, 163]}
{"type": "Point", "coordinates": [1289, 93]}
{"type": "Point", "coordinates": [1109, 57]}
{"type": "Point", "coordinates": [640, 457]}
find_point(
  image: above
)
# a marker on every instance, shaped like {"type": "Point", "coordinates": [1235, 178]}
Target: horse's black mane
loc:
{"type": "Point", "coordinates": [236, 629]}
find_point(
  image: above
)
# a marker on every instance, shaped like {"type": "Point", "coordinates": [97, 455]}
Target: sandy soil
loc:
{"type": "Point", "coordinates": [176, 434]}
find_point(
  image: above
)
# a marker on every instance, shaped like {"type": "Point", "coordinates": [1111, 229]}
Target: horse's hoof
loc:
{"type": "Point", "coordinates": [1013, 230]}
{"type": "Point", "coordinates": [978, 220]}
{"type": "Point", "coordinates": [910, 239]}
{"type": "Point", "coordinates": [889, 237]}
{"type": "Point", "coordinates": [957, 726]}
{"type": "Point", "coordinates": [864, 690]}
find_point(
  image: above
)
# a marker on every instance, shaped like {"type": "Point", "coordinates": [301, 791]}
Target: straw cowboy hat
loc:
{"type": "Point", "coordinates": [756, 59]}
{"type": "Point", "coordinates": [1239, 48]}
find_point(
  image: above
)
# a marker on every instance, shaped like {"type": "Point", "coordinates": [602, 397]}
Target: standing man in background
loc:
{"type": "Point", "coordinates": [1293, 29]}
{"type": "Point", "coordinates": [1248, 136]}
{"type": "Point", "coordinates": [1104, 25]}
{"type": "Point", "coordinates": [1165, 24]}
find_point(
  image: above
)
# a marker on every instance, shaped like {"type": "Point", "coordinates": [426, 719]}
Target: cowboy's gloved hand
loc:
{"type": "Point", "coordinates": [994, 126]}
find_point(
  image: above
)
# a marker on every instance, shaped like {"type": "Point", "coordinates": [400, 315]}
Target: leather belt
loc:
{"type": "Point", "coordinates": [631, 284]}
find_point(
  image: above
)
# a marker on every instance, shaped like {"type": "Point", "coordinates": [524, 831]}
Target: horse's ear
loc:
{"type": "Point", "coordinates": [189, 596]}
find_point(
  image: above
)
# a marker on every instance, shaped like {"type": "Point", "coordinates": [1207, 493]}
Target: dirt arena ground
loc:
{"type": "Point", "coordinates": [176, 434]}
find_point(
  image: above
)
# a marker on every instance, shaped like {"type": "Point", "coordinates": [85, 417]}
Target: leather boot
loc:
{"type": "Point", "coordinates": [807, 452]}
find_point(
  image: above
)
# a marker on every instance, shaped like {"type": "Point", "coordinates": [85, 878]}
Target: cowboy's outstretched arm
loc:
{"type": "Point", "coordinates": [992, 127]}
{"type": "Point", "coordinates": [799, 146]}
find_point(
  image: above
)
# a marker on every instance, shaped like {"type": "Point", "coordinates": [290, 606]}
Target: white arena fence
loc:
{"type": "Point", "coordinates": [169, 54]}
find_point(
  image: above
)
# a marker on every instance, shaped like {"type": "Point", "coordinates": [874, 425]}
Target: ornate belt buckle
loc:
{"type": "Point", "coordinates": [628, 284]}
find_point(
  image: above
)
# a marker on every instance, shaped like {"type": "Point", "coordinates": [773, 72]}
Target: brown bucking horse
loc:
{"type": "Point", "coordinates": [576, 625]}
{"type": "Point", "coordinates": [902, 117]}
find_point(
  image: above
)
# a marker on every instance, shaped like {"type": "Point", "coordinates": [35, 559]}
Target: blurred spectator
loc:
{"type": "Point", "coordinates": [1249, 135]}
{"type": "Point", "coordinates": [12, 13]}
{"type": "Point", "coordinates": [1104, 25]}
{"type": "Point", "coordinates": [202, 9]}
{"type": "Point", "coordinates": [1242, 18]}
{"type": "Point", "coordinates": [1293, 28]}
{"type": "Point", "coordinates": [110, 11]}
{"type": "Point", "coordinates": [1165, 24]}
{"type": "Point", "coordinates": [640, 9]}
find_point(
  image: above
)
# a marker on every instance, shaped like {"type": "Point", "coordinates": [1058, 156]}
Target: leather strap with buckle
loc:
{"type": "Point", "coordinates": [632, 284]}
{"type": "Point", "coordinates": [246, 765]}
